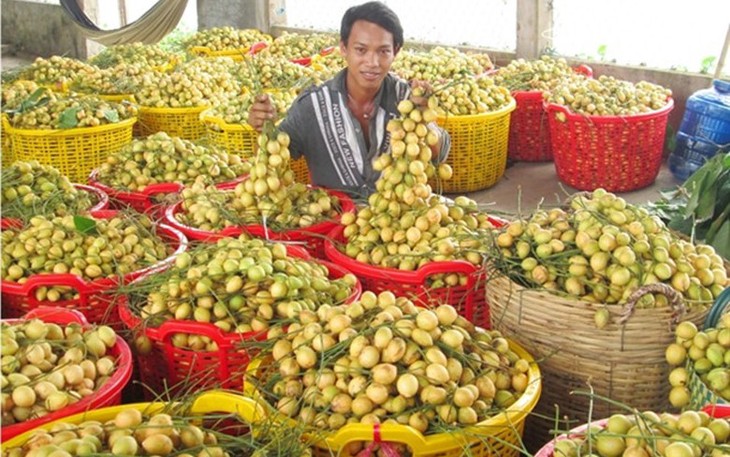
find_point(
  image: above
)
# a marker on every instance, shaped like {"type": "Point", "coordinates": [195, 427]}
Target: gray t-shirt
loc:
{"type": "Point", "coordinates": [328, 135]}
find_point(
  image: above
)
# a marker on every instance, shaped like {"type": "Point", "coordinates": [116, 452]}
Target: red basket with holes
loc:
{"type": "Point", "coordinates": [469, 299]}
{"type": "Point", "coordinates": [311, 238]}
{"type": "Point", "coordinates": [147, 200]}
{"type": "Point", "coordinates": [529, 134]}
{"type": "Point", "coordinates": [176, 368]}
{"type": "Point", "coordinates": [617, 153]}
{"type": "Point", "coordinates": [95, 299]}
{"type": "Point", "coordinates": [109, 394]}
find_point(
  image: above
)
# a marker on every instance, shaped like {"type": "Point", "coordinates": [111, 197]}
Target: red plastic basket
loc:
{"type": "Point", "coordinates": [312, 238]}
{"type": "Point", "coordinates": [97, 299]}
{"type": "Point", "coordinates": [144, 201]}
{"type": "Point", "coordinates": [617, 153]}
{"type": "Point", "coordinates": [109, 394]}
{"type": "Point", "coordinates": [102, 199]}
{"type": "Point", "coordinates": [469, 300]}
{"type": "Point", "coordinates": [174, 368]}
{"type": "Point", "coordinates": [529, 134]}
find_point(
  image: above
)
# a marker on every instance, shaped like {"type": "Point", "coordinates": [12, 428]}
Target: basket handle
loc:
{"type": "Point", "coordinates": [719, 307]}
{"type": "Point", "coordinates": [584, 70]}
{"type": "Point", "coordinates": [162, 188]}
{"type": "Point", "coordinates": [717, 411]}
{"type": "Point", "coordinates": [675, 301]}
{"type": "Point", "coordinates": [380, 434]}
{"type": "Point", "coordinates": [216, 401]}
{"type": "Point", "coordinates": [78, 283]}
{"type": "Point", "coordinates": [257, 47]}
{"type": "Point", "coordinates": [57, 315]}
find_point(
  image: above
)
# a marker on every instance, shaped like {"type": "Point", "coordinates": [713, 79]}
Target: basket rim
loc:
{"type": "Point", "coordinates": [221, 53]}
{"type": "Point", "coordinates": [508, 108]}
{"type": "Point", "coordinates": [207, 116]}
{"type": "Point", "coordinates": [570, 115]}
{"type": "Point", "coordinates": [209, 401]}
{"type": "Point", "coordinates": [168, 110]}
{"type": "Point", "coordinates": [419, 443]}
{"type": "Point", "coordinates": [114, 385]}
{"type": "Point", "coordinates": [102, 196]}
{"type": "Point", "coordinates": [67, 132]}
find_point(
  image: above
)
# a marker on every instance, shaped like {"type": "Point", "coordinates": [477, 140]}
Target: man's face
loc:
{"type": "Point", "coordinates": [369, 53]}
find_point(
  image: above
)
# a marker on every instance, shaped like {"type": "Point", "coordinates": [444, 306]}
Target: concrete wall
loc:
{"type": "Point", "coordinates": [41, 29]}
{"type": "Point", "coordinates": [242, 14]}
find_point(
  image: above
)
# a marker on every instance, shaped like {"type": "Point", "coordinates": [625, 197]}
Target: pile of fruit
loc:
{"type": "Point", "coordinates": [18, 91]}
{"type": "Point", "coordinates": [67, 111]}
{"type": "Point", "coordinates": [689, 434]}
{"type": "Point", "coordinates": [139, 54]}
{"type": "Point", "coordinates": [469, 96]}
{"type": "Point", "coordinates": [160, 158]}
{"type": "Point", "coordinates": [239, 285]}
{"type": "Point", "coordinates": [120, 79]}
{"type": "Point", "coordinates": [405, 224]}
{"type": "Point", "coordinates": [47, 367]}
{"type": "Point", "coordinates": [90, 248]}
{"type": "Point", "coordinates": [541, 74]}
{"type": "Point", "coordinates": [608, 96]}
{"type": "Point", "coordinates": [707, 351]}
{"type": "Point", "coordinates": [226, 38]}
{"type": "Point", "coordinates": [295, 46]}
{"type": "Point", "coordinates": [602, 249]}
{"type": "Point", "coordinates": [269, 195]}
{"type": "Point", "coordinates": [383, 360]}
{"type": "Point", "coordinates": [29, 188]}
{"type": "Point", "coordinates": [56, 71]}
{"type": "Point", "coordinates": [435, 66]}
{"type": "Point", "coordinates": [235, 110]}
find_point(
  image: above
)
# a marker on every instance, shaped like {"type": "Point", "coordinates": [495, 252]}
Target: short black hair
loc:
{"type": "Point", "coordinates": [377, 13]}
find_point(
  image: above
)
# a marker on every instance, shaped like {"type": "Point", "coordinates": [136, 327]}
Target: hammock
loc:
{"type": "Point", "coordinates": [160, 20]}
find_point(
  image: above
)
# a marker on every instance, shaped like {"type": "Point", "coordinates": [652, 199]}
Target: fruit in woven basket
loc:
{"type": "Point", "coordinates": [406, 225]}
{"type": "Point", "coordinates": [160, 158]}
{"type": "Point", "coordinates": [607, 96]}
{"type": "Point", "coordinates": [688, 434]}
{"type": "Point", "coordinates": [30, 188]}
{"type": "Point", "coordinates": [601, 249]}
{"type": "Point", "coordinates": [383, 360]}
{"type": "Point", "coordinates": [239, 285]}
{"type": "Point", "coordinates": [46, 367]}
{"type": "Point", "coordinates": [708, 353]}
{"type": "Point", "coordinates": [68, 111]}
{"type": "Point", "coordinates": [90, 248]}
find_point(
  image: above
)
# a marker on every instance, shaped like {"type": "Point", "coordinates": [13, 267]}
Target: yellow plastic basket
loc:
{"type": "Point", "coordinates": [6, 152]}
{"type": "Point", "coordinates": [118, 98]}
{"type": "Point", "coordinates": [236, 138]}
{"type": "Point", "coordinates": [500, 436]}
{"type": "Point", "coordinates": [182, 122]}
{"type": "Point", "coordinates": [74, 152]}
{"type": "Point", "coordinates": [236, 54]}
{"type": "Point", "coordinates": [301, 171]}
{"type": "Point", "coordinates": [478, 153]}
{"type": "Point", "coordinates": [207, 403]}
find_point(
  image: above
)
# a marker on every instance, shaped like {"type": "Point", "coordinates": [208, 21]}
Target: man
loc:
{"type": "Point", "coordinates": [340, 126]}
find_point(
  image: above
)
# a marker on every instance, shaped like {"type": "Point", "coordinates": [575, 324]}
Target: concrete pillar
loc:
{"type": "Point", "coordinates": [534, 28]}
{"type": "Point", "coordinates": [241, 14]}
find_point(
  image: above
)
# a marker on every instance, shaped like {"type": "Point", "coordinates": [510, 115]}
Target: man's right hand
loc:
{"type": "Point", "coordinates": [261, 111]}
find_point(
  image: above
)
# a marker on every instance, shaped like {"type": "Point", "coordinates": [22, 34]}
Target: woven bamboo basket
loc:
{"type": "Point", "coordinates": [623, 361]}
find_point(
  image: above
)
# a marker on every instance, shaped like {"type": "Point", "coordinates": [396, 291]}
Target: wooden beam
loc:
{"type": "Point", "coordinates": [534, 28]}
{"type": "Point", "coordinates": [122, 12]}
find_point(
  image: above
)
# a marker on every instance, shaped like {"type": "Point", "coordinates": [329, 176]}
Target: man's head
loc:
{"type": "Point", "coordinates": [370, 37]}
{"type": "Point", "coordinates": [377, 13]}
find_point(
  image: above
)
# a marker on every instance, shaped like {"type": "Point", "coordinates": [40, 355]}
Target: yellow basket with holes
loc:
{"type": "Point", "coordinates": [182, 122]}
{"type": "Point", "coordinates": [236, 54]}
{"type": "Point", "coordinates": [499, 436]}
{"type": "Point", "coordinates": [118, 98]}
{"type": "Point", "coordinates": [236, 138]}
{"type": "Point", "coordinates": [478, 153]}
{"type": "Point", "coordinates": [210, 402]}
{"type": "Point", "coordinates": [74, 152]}
{"type": "Point", "coordinates": [6, 153]}
{"type": "Point", "coordinates": [301, 171]}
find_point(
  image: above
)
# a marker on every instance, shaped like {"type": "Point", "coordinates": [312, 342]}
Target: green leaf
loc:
{"type": "Point", "coordinates": [721, 240]}
{"type": "Point", "coordinates": [68, 119]}
{"type": "Point", "coordinates": [111, 115]}
{"type": "Point", "coordinates": [84, 224]}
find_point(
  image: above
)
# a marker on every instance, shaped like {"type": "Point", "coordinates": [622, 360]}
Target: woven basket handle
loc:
{"type": "Point", "coordinates": [675, 301]}
{"type": "Point", "coordinates": [719, 307]}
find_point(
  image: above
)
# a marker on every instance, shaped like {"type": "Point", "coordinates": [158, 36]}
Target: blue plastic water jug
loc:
{"type": "Point", "coordinates": [705, 129]}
